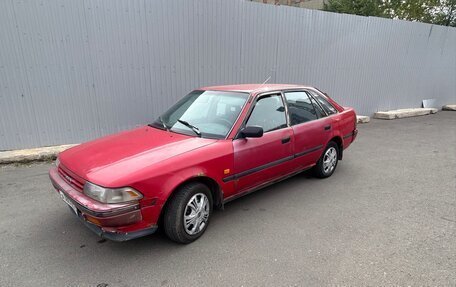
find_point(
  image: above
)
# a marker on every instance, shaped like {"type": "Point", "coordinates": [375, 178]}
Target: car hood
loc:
{"type": "Point", "coordinates": [126, 152]}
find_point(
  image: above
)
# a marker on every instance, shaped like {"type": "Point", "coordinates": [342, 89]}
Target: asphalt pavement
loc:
{"type": "Point", "coordinates": [386, 217]}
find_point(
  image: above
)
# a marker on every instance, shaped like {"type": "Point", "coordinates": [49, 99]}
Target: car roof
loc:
{"type": "Point", "coordinates": [253, 88]}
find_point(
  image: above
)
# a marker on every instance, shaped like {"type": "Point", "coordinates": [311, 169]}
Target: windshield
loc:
{"type": "Point", "coordinates": [208, 114]}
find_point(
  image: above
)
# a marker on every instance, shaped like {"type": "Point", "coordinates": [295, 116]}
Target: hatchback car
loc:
{"type": "Point", "coordinates": [214, 145]}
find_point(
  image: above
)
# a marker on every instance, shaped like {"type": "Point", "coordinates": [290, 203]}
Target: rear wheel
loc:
{"type": "Point", "coordinates": [188, 213]}
{"type": "Point", "coordinates": [327, 163]}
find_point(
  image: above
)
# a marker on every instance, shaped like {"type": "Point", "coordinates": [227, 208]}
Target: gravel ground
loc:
{"type": "Point", "coordinates": [386, 217]}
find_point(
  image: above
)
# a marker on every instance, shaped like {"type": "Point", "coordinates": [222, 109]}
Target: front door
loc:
{"type": "Point", "coordinates": [260, 160]}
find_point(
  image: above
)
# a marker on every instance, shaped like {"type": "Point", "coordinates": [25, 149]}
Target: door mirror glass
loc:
{"type": "Point", "coordinates": [252, 132]}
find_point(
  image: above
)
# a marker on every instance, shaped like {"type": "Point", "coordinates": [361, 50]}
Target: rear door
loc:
{"type": "Point", "coordinates": [345, 122]}
{"type": "Point", "coordinates": [260, 160]}
{"type": "Point", "coordinates": [311, 126]}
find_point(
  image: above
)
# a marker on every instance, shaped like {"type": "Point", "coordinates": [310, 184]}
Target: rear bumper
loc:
{"type": "Point", "coordinates": [349, 138]}
{"type": "Point", "coordinates": [355, 133]}
{"type": "Point", "coordinates": [117, 222]}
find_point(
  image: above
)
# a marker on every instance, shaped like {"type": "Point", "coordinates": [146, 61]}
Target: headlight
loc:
{"type": "Point", "coordinates": [111, 195]}
{"type": "Point", "coordinates": [57, 162]}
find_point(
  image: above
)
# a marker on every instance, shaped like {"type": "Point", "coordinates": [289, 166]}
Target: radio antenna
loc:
{"type": "Point", "coordinates": [265, 81]}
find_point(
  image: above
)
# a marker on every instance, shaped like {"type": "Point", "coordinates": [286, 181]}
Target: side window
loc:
{"type": "Point", "coordinates": [268, 113]}
{"type": "Point", "coordinates": [329, 109]}
{"type": "Point", "coordinates": [300, 108]}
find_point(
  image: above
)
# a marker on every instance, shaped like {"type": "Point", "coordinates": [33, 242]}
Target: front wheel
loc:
{"type": "Point", "coordinates": [187, 215]}
{"type": "Point", "coordinates": [328, 161]}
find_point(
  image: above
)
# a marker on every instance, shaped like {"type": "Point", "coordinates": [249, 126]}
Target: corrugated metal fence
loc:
{"type": "Point", "coordinates": [75, 70]}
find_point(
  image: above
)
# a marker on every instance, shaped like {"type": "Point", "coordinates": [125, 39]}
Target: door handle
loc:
{"type": "Point", "coordinates": [285, 140]}
{"type": "Point", "coordinates": [328, 127]}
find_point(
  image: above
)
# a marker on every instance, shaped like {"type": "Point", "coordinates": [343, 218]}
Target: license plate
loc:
{"type": "Point", "coordinates": [67, 201]}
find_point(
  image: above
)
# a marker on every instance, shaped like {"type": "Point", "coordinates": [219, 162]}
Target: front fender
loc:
{"type": "Point", "coordinates": [212, 162]}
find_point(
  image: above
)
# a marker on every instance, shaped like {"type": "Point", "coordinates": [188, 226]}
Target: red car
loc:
{"type": "Point", "coordinates": [214, 145]}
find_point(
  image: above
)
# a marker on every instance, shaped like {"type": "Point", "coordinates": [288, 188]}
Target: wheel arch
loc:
{"type": "Point", "coordinates": [340, 145]}
{"type": "Point", "coordinates": [214, 187]}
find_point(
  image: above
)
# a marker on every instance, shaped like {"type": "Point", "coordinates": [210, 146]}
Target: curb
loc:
{"type": "Point", "coordinates": [404, 113]}
{"type": "Point", "coordinates": [34, 154]}
{"type": "Point", "coordinates": [362, 119]}
{"type": "Point", "coordinates": [449, 108]}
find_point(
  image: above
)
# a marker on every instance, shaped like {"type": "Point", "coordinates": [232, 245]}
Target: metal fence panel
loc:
{"type": "Point", "coordinates": [71, 71]}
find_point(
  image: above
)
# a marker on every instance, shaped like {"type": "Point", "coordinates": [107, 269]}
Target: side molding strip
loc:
{"type": "Point", "coordinates": [271, 164]}
{"type": "Point", "coordinates": [308, 151]}
{"type": "Point", "coordinates": [348, 135]}
{"type": "Point", "coordinates": [258, 168]}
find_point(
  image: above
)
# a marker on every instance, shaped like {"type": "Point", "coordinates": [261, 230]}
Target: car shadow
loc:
{"type": "Point", "coordinates": [92, 246]}
{"type": "Point", "coordinates": [222, 217]}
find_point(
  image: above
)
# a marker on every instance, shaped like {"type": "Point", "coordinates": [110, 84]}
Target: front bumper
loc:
{"type": "Point", "coordinates": [117, 222]}
{"type": "Point", "coordinates": [116, 235]}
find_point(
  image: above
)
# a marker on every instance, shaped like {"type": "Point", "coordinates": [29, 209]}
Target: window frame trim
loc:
{"type": "Point", "coordinates": [318, 103]}
{"type": "Point", "coordinates": [252, 107]}
{"type": "Point", "coordinates": [324, 97]}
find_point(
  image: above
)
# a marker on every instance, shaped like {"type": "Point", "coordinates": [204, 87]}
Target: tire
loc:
{"type": "Point", "coordinates": [327, 163]}
{"type": "Point", "coordinates": [191, 203]}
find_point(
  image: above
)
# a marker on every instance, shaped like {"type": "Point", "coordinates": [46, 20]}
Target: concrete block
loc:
{"type": "Point", "coordinates": [404, 113]}
{"type": "Point", "coordinates": [449, 108]}
{"type": "Point", "coordinates": [362, 119]}
{"type": "Point", "coordinates": [34, 154]}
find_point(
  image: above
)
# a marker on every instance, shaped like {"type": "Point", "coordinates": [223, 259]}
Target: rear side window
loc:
{"type": "Point", "coordinates": [329, 109]}
{"type": "Point", "coordinates": [318, 108]}
{"type": "Point", "coordinates": [268, 113]}
{"type": "Point", "coordinates": [300, 108]}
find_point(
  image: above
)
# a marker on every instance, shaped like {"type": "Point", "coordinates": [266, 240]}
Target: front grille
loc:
{"type": "Point", "coordinates": [76, 183]}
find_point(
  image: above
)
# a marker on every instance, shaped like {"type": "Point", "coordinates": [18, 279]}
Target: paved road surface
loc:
{"type": "Point", "coordinates": [387, 216]}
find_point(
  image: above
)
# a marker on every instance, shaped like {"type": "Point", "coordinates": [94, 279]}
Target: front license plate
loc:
{"type": "Point", "coordinates": [67, 201]}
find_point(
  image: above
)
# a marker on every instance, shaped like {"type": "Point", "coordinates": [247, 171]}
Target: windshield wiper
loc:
{"type": "Point", "coordinates": [163, 123]}
{"type": "Point", "coordinates": [190, 126]}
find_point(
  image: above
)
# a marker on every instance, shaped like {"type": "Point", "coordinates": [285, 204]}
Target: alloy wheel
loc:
{"type": "Point", "coordinates": [329, 160]}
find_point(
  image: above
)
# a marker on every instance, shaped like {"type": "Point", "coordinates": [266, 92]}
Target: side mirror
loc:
{"type": "Point", "coordinates": [252, 132]}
